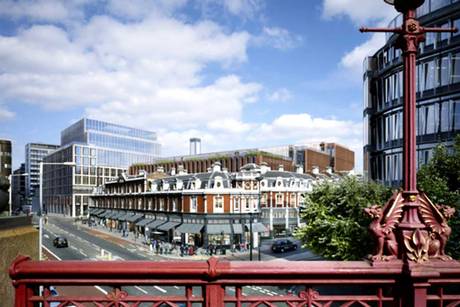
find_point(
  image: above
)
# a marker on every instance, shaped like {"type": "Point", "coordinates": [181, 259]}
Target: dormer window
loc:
{"type": "Point", "coordinates": [218, 182]}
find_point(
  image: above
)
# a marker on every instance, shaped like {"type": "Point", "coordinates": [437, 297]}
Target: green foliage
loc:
{"type": "Point", "coordinates": [440, 179]}
{"type": "Point", "coordinates": [336, 224]}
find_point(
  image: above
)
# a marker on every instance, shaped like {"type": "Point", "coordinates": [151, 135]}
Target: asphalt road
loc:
{"type": "Point", "coordinates": [83, 245]}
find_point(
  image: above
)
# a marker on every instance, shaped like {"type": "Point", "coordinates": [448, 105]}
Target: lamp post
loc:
{"type": "Point", "coordinates": [40, 212]}
{"type": "Point", "coordinates": [259, 179]}
{"type": "Point", "coordinates": [409, 221]}
{"type": "Point", "coordinates": [10, 195]}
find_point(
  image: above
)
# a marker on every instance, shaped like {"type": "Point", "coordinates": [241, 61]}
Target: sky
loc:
{"type": "Point", "coordinates": [236, 73]}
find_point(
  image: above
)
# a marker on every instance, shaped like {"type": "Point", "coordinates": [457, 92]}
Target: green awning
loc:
{"type": "Point", "coordinates": [214, 229]}
{"type": "Point", "coordinates": [189, 228]}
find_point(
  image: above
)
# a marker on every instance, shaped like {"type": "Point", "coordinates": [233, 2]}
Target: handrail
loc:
{"type": "Point", "coordinates": [390, 283]}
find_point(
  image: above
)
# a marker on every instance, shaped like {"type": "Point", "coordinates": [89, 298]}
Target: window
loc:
{"type": "Point", "coordinates": [293, 199]}
{"type": "Point", "coordinates": [218, 204]}
{"type": "Point", "coordinates": [193, 206]}
{"type": "Point", "coordinates": [432, 118]}
{"type": "Point", "coordinates": [455, 68]}
{"type": "Point", "coordinates": [444, 70]}
{"type": "Point", "coordinates": [457, 115]}
{"type": "Point", "coordinates": [236, 203]}
{"type": "Point", "coordinates": [430, 75]}
{"type": "Point", "coordinates": [279, 199]}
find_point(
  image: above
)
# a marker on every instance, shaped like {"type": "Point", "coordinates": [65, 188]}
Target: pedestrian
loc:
{"type": "Point", "coordinates": [211, 249]}
{"type": "Point", "coordinates": [182, 250]}
{"type": "Point", "coordinates": [161, 247]}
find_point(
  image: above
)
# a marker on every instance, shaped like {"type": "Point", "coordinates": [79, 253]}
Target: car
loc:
{"type": "Point", "coordinates": [283, 245]}
{"type": "Point", "coordinates": [60, 242]}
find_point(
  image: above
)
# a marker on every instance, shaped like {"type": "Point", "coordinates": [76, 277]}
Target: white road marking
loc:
{"type": "Point", "coordinates": [74, 248]}
{"type": "Point", "coordinates": [46, 236]}
{"type": "Point", "coordinates": [81, 252]}
{"type": "Point", "coordinates": [176, 287]}
{"type": "Point", "coordinates": [160, 289]}
{"type": "Point", "coordinates": [53, 254]}
{"type": "Point", "coordinates": [140, 289]}
{"type": "Point", "coordinates": [100, 289]}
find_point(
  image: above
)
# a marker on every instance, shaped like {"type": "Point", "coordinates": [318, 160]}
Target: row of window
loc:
{"type": "Point", "coordinates": [120, 130]}
{"type": "Point", "coordinates": [430, 119]}
{"type": "Point", "coordinates": [388, 168]}
{"type": "Point", "coordinates": [430, 75]}
{"type": "Point", "coordinates": [124, 143]}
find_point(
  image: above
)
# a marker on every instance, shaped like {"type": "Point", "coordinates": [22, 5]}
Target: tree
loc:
{"type": "Point", "coordinates": [440, 179]}
{"type": "Point", "coordinates": [336, 225]}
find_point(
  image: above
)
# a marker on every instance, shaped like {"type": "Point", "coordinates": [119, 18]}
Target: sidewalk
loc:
{"type": "Point", "coordinates": [116, 237]}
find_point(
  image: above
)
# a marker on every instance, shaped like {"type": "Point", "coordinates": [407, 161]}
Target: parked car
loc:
{"type": "Point", "coordinates": [60, 242]}
{"type": "Point", "coordinates": [283, 245]}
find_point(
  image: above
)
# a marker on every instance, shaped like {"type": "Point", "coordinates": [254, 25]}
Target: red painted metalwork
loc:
{"type": "Point", "coordinates": [410, 226]}
{"type": "Point", "coordinates": [223, 283]}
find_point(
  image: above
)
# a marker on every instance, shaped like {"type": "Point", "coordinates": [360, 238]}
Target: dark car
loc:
{"type": "Point", "coordinates": [283, 245]}
{"type": "Point", "coordinates": [60, 242]}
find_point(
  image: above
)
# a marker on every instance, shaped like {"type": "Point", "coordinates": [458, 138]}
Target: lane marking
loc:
{"type": "Point", "coordinates": [81, 252]}
{"type": "Point", "coordinates": [140, 289]}
{"type": "Point", "coordinates": [176, 287]}
{"type": "Point", "coordinates": [46, 236]}
{"type": "Point", "coordinates": [74, 248]}
{"type": "Point", "coordinates": [160, 289]}
{"type": "Point", "coordinates": [58, 258]}
{"type": "Point", "coordinates": [52, 254]}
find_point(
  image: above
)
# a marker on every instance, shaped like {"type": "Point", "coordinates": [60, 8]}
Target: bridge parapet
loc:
{"type": "Point", "coordinates": [223, 283]}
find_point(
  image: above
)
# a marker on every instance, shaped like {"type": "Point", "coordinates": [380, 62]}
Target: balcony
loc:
{"type": "Point", "coordinates": [222, 283]}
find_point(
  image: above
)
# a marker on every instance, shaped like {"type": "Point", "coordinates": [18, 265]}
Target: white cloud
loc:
{"type": "Point", "coordinates": [280, 95]}
{"type": "Point", "coordinates": [303, 128]}
{"type": "Point", "coordinates": [43, 10]}
{"type": "Point", "coordinates": [369, 12]}
{"type": "Point", "coordinates": [138, 9]}
{"type": "Point", "coordinates": [278, 38]}
{"type": "Point", "coordinates": [359, 11]}
{"type": "Point", "coordinates": [243, 8]}
{"type": "Point", "coordinates": [179, 108]}
{"type": "Point", "coordinates": [229, 125]}
{"type": "Point", "coordinates": [106, 62]}
{"type": "Point", "coordinates": [353, 60]}
{"type": "Point", "coordinates": [6, 114]}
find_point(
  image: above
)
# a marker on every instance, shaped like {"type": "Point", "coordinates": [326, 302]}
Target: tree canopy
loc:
{"type": "Point", "coordinates": [336, 225]}
{"type": "Point", "coordinates": [440, 179]}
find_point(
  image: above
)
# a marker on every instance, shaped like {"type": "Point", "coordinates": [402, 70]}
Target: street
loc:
{"type": "Point", "coordinates": [88, 244]}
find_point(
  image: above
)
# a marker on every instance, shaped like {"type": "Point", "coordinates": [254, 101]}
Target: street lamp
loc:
{"type": "Point", "coordinates": [409, 216]}
{"type": "Point", "coordinates": [10, 197]}
{"type": "Point", "coordinates": [259, 179]}
{"type": "Point", "coordinates": [40, 212]}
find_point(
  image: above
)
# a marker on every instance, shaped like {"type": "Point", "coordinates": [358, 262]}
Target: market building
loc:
{"type": "Point", "coordinates": [322, 155]}
{"type": "Point", "coordinates": [216, 207]}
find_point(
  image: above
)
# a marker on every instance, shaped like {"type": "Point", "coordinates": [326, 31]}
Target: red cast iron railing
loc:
{"type": "Point", "coordinates": [223, 283]}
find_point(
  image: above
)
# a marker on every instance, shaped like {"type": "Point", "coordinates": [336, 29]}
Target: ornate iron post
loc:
{"type": "Point", "coordinates": [409, 227]}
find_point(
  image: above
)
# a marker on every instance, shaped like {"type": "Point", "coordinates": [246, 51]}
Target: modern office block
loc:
{"type": "Point", "coordinates": [438, 95]}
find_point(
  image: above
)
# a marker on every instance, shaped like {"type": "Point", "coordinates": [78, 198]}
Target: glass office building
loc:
{"type": "Point", "coordinates": [438, 95]}
{"type": "Point", "coordinates": [117, 145]}
{"type": "Point", "coordinates": [34, 154]}
{"type": "Point", "coordinates": [101, 151]}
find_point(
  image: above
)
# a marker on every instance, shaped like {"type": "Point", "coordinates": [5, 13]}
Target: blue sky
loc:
{"type": "Point", "coordinates": [235, 73]}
